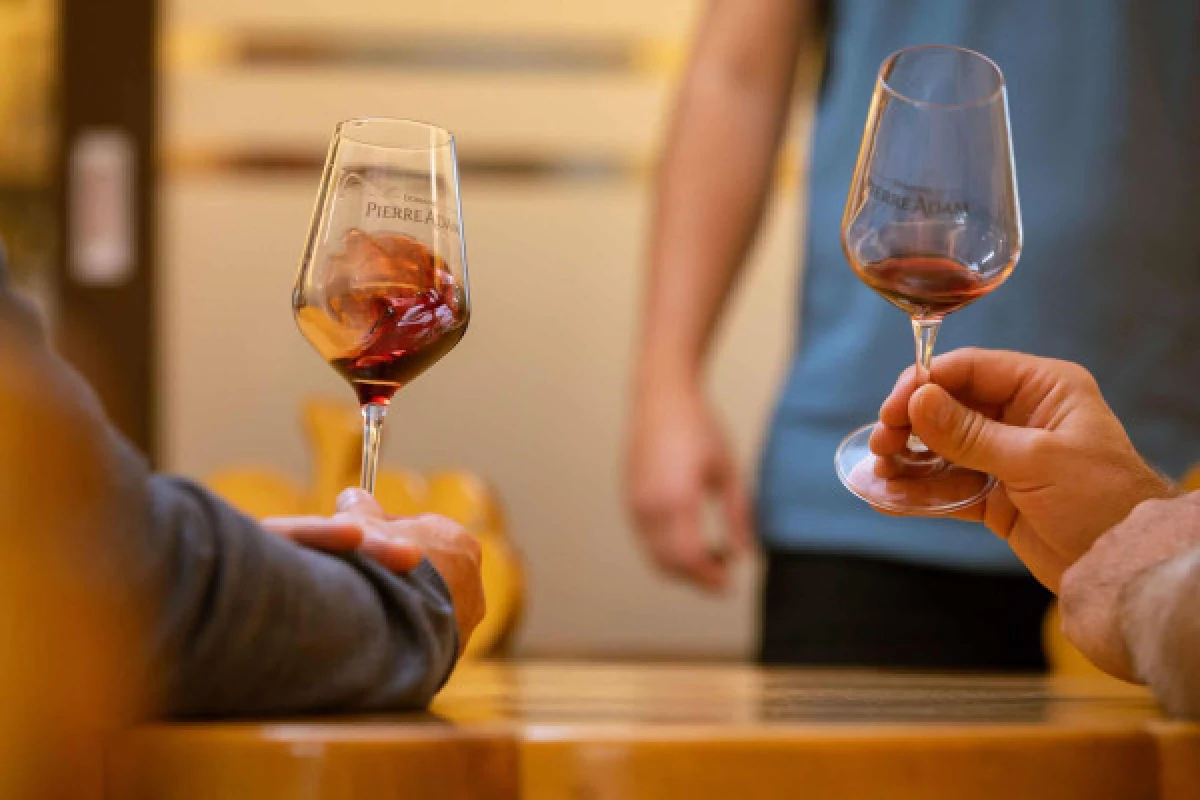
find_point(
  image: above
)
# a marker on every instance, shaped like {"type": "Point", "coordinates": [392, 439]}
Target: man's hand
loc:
{"type": "Point", "coordinates": [399, 544]}
{"type": "Point", "coordinates": [1092, 590]}
{"type": "Point", "coordinates": [345, 532]}
{"type": "Point", "coordinates": [678, 456]}
{"type": "Point", "coordinates": [1067, 471]}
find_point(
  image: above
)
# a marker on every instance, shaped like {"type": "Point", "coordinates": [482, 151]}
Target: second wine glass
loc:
{"type": "Point", "coordinates": [382, 292]}
{"type": "Point", "coordinates": [932, 223]}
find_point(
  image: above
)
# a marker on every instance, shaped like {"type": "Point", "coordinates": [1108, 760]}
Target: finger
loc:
{"type": "Point", "coordinates": [1005, 381]}
{"type": "Point", "coordinates": [886, 467]}
{"type": "Point", "coordinates": [321, 533]}
{"type": "Point", "coordinates": [1000, 515]}
{"type": "Point", "coordinates": [396, 553]}
{"type": "Point", "coordinates": [706, 568]}
{"type": "Point", "coordinates": [359, 501]}
{"type": "Point", "coordinates": [966, 437]}
{"type": "Point", "coordinates": [894, 411]}
{"type": "Point", "coordinates": [888, 441]}
{"type": "Point", "coordinates": [967, 374]}
{"type": "Point", "coordinates": [736, 505]}
{"type": "Point", "coordinates": [996, 512]}
{"type": "Point", "coordinates": [892, 490]}
{"type": "Point", "coordinates": [680, 548]}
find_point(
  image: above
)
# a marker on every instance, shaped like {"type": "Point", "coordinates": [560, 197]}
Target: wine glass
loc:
{"type": "Point", "coordinates": [932, 223]}
{"type": "Point", "coordinates": [382, 292]}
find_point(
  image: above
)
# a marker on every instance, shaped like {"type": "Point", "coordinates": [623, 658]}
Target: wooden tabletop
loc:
{"type": "Point", "coordinates": [589, 732]}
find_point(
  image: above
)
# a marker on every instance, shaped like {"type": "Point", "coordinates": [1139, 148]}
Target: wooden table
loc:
{"type": "Point", "coordinates": [588, 732]}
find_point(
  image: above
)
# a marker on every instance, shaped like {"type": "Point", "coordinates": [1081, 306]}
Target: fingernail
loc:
{"type": "Point", "coordinates": [374, 543]}
{"type": "Point", "coordinates": [936, 406]}
{"type": "Point", "coordinates": [348, 497]}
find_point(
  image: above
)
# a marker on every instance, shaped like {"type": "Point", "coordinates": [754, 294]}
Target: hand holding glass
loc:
{"type": "Point", "coordinates": [932, 223]}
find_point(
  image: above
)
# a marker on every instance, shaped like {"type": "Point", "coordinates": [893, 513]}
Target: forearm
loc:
{"type": "Point", "coordinates": [1160, 618]}
{"type": "Point", "coordinates": [250, 623]}
{"type": "Point", "coordinates": [239, 621]}
{"type": "Point", "coordinates": [714, 176]}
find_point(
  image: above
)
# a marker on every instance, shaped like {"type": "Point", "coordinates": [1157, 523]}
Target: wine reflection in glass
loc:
{"type": "Point", "coordinates": [932, 223]}
{"type": "Point", "coordinates": [382, 292]}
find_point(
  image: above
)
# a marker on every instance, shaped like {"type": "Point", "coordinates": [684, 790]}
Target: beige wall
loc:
{"type": "Point", "coordinates": [534, 397]}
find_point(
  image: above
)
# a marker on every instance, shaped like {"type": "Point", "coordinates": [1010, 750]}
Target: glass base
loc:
{"type": "Point", "coordinates": [919, 491]}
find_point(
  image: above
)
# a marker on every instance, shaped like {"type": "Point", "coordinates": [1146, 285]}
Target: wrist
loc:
{"type": "Point", "coordinates": [1151, 485]}
{"type": "Point", "coordinates": [1148, 605]}
{"type": "Point", "coordinates": [661, 373]}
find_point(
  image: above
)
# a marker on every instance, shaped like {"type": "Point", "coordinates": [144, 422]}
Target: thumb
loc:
{"type": "Point", "coordinates": [397, 554]}
{"type": "Point", "coordinates": [964, 436]}
{"type": "Point", "coordinates": [359, 501]}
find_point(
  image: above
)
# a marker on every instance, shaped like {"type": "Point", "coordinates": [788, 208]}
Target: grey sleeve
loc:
{"type": "Point", "coordinates": [251, 624]}
{"type": "Point", "coordinates": [241, 621]}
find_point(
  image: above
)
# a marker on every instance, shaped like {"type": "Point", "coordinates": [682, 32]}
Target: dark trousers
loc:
{"type": "Point", "coordinates": [821, 610]}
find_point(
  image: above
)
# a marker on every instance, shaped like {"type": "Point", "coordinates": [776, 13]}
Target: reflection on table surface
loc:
{"type": "Point", "coordinates": [745, 695]}
{"type": "Point", "coordinates": [650, 731]}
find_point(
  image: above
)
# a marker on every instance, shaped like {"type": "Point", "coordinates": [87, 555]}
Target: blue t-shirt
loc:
{"type": "Point", "coordinates": [1104, 98]}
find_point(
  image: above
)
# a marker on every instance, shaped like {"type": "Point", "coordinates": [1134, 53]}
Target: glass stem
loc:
{"type": "Point", "coordinates": [373, 414]}
{"type": "Point", "coordinates": [925, 331]}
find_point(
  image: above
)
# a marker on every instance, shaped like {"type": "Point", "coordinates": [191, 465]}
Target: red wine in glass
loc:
{"type": "Point", "coordinates": [398, 304]}
{"type": "Point", "coordinates": [382, 289]}
{"type": "Point", "coordinates": [925, 286]}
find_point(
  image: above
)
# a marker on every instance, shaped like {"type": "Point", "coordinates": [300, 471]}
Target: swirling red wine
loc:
{"type": "Point", "coordinates": [392, 310]}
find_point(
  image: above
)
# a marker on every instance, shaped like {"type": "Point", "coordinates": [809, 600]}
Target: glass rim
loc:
{"type": "Point", "coordinates": [443, 137]}
{"type": "Point", "coordinates": [989, 99]}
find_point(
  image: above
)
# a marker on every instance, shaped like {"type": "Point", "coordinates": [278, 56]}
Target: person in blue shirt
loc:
{"type": "Point", "coordinates": [1105, 103]}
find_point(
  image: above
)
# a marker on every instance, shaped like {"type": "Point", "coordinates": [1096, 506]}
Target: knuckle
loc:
{"type": "Point", "coordinates": [473, 547]}
{"type": "Point", "coordinates": [1079, 376]}
{"type": "Point", "coordinates": [961, 355]}
{"type": "Point", "coordinates": [973, 433]}
{"type": "Point", "coordinates": [459, 537]}
{"type": "Point", "coordinates": [376, 527]}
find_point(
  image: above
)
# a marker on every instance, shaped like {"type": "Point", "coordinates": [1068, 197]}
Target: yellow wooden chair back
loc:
{"type": "Point", "coordinates": [66, 661]}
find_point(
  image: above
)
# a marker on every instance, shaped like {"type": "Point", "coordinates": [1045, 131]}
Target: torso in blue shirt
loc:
{"type": "Point", "coordinates": [1105, 103]}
